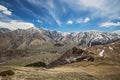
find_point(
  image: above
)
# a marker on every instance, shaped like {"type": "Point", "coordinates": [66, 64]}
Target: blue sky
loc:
{"type": "Point", "coordinates": [61, 15]}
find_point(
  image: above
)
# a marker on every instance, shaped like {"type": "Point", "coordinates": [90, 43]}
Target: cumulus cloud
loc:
{"type": "Point", "coordinates": [8, 22]}
{"type": "Point", "coordinates": [110, 24]}
{"type": "Point", "coordinates": [87, 19]}
{"type": "Point", "coordinates": [4, 10]}
{"type": "Point", "coordinates": [69, 22]}
{"type": "Point", "coordinates": [13, 25]}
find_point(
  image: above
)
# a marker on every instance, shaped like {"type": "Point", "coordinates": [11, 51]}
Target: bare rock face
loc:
{"type": "Point", "coordinates": [33, 38]}
{"type": "Point", "coordinates": [73, 55]}
{"type": "Point", "coordinates": [22, 39]}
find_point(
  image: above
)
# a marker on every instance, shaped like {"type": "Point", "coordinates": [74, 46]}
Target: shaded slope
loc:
{"type": "Point", "coordinates": [72, 55]}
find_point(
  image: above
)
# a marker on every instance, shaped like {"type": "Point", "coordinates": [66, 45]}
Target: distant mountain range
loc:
{"type": "Point", "coordinates": [35, 38]}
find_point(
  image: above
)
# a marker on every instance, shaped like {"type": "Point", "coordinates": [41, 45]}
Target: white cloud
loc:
{"type": "Point", "coordinates": [92, 3]}
{"type": "Point", "coordinates": [7, 22]}
{"type": "Point", "coordinates": [2, 8]}
{"type": "Point", "coordinates": [13, 25]}
{"type": "Point", "coordinates": [51, 8]}
{"type": "Point", "coordinates": [39, 21]}
{"type": "Point", "coordinates": [110, 24]}
{"type": "Point", "coordinates": [69, 22]}
{"type": "Point", "coordinates": [87, 19]}
{"type": "Point", "coordinates": [82, 20]}
{"type": "Point", "coordinates": [97, 8]}
{"type": "Point", "coordinates": [5, 10]}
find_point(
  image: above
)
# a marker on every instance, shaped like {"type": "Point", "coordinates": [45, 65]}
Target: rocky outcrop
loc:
{"type": "Point", "coordinates": [72, 55]}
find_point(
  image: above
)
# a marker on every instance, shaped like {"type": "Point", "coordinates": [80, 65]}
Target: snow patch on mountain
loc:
{"type": "Point", "coordinates": [110, 48]}
{"type": "Point", "coordinates": [101, 53]}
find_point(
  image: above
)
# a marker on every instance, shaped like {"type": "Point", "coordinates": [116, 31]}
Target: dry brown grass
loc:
{"type": "Point", "coordinates": [23, 73]}
{"type": "Point", "coordinates": [74, 71]}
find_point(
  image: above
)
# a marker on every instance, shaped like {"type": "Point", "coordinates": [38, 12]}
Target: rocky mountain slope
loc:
{"type": "Point", "coordinates": [71, 56]}
{"type": "Point", "coordinates": [105, 54]}
{"type": "Point", "coordinates": [106, 51]}
{"type": "Point", "coordinates": [35, 38]}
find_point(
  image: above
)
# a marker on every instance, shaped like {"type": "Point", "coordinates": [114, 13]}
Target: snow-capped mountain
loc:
{"type": "Point", "coordinates": [37, 37]}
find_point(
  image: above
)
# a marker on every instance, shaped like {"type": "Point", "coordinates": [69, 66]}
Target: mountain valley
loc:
{"type": "Point", "coordinates": [39, 54]}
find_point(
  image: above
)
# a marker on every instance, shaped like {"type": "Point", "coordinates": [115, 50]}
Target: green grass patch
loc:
{"type": "Point", "coordinates": [37, 64]}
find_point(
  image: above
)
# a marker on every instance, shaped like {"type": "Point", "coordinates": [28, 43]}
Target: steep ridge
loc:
{"type": "Point", "coordinates": [106, 51]}
{"type": "Point", "coordinates": [73, 55]}
{"type": "Point", "coordinates": [33, 38]}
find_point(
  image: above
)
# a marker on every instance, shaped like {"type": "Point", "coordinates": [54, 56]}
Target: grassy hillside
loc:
{"type": "Point", "coordinates": [44, 57]}
{"type": "Point", "coordinates": [43, 74]}
{"type": "Point", "coordinates": [67, 72]}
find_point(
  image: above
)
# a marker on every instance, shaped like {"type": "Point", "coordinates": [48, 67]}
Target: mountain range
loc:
{"type": "Point", "coordinates": [37, 38]}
